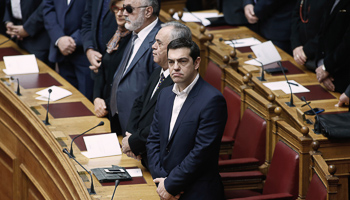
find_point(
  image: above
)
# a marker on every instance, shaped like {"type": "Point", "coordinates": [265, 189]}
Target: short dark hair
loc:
{"type": "Point", "coordinates": [185, 43]}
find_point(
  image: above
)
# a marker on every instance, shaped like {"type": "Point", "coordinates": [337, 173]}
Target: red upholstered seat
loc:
{"type": "Point", "coordinates": [282, 177]}
{"type": "Point", "coordinates": [233, 101]}
{"type": "Point", "coordinates": [213, 75]}
{"type": "Point", "coordinates": [316, 189]}
{"type": "Point", "coordinates": [250, 142]}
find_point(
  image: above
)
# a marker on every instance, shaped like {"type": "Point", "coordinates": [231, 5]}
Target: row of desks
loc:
{"type": "Point", "coordinates": [283, 122]}
{"type": "Point", "coordinates": [71, 116]}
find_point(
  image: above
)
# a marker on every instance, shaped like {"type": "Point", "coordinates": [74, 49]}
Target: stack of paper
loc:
{"type": "Point", "coordinates": [197, 17]}
{"type": "Point", "coordinates": [283, 85]}
{"type": "Point", "coordinates": [245, 42]}
{"type": "Point", "coordinates": [21, 64]}
{"type": "Point", "coordinates": [56, 94]}
{"type": "Point", "coordinates": [266, 53]}
{"type": "Point", "coordinates": [102, 145]}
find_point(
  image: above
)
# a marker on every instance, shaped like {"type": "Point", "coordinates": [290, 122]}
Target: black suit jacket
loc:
{"type": "Point", "coordinates": [141, 115]}
{"type": "Point", "coordinates": [90, 25]}
{"type": "Point", "coordinates": [33, 23]}
{"type": "Point", "coordinates": [233, 11]}
{"type": "Point", "coordinates": [334, 44]}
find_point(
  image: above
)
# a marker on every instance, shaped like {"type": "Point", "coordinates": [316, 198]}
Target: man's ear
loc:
{"type": "Point", "coordinates": [149, 11]}
{"type": "Point", "coordinates": [197, 63]}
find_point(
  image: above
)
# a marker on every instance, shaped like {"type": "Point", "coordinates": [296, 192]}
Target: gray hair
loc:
{"type": "Point", "coordinates": [179, 31]}
{"type": "Point", "coordinates": [154, 4]}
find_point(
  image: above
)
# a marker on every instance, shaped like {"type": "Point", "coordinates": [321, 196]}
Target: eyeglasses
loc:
{"type": "Point", "coordinates": [116, 9]}
{"type": "Point", "coordinates": [130, 9]}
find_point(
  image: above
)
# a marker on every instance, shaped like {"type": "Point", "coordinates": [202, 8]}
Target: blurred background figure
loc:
{"type": "Point", "coordinates": [24, 19]}
{"type": "Point", "coordinates": [306, 23]}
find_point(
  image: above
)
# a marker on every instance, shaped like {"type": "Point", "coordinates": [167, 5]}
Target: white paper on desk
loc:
{"type": "Point", "coordinates": [266, 53]}
{"type": "Point", "coordinates": [197, 17]}
{"type": "Point", "coordinates": [102, 145]}
{"type": "Point", "coordinates": [56, 94]}
{"type": "Point", "coordinates": [245, 42]}
{"type": "Point", "coordinates": [253, 62]}
{"type": "Point", "coordinates": [20, 64]}
{"type": "Point", "coordinates": [135, 172]}
{"type": "Point", "coordinates": [283, 85]}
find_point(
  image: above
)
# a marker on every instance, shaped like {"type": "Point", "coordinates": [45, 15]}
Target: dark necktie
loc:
{"type": "Point", "coordinates": [119, 75]}
{"type": "Point", "coordinates": [160, 81]}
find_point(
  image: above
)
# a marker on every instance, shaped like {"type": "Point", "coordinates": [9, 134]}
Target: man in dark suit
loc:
{"type": "Point", "coordinates": [63, 22]}
{"type": "Point", "coordinates": [99, 25]}
{"type": "Point", "coordinates": [334, 46]}
{"type": "Point", "coordinates": [2, 12]}
{"type": "Point", "coordinates": [137, 64]}
{"type": "Point", "coordinates": [189, 120]}
{"type": "Point", "coordinates": [273, 18]}
{"type": "Point", "coordinates": [137, 130]}
{"type": "Point", "coordinates": [24, 20]}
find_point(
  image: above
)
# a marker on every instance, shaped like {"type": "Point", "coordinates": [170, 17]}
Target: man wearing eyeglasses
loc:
{"type": "Point", "coordinates": [137, 64]}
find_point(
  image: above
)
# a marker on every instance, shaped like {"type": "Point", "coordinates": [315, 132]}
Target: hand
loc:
{"type": "Point", "coordinates": [125, 143]}
{"type": "Point", "coordinates": [10, 31]}
{"type": "Point", "coordinates": [21, 33]}
{"type": "Point", "coordinates": [132, 155]}
{"type": "Point", "coordinates": [299, 55]}
{"type": "Point", "coordinates": [329, 84]}
{"type": "Point", "coordinates": [94, 58]}
{"type": "Point", "coordinates": [343, 100]}
{"type": "Point", "coordinates": [100, 107]}
{"type": "Point", "coordinates": [66, 45]}
{"type": "Point", "coordinates": [250, 14]}
{"type": "Point", "coordinates": [321, 74]}
{"type": "Point", "coordinates": [163, 194]}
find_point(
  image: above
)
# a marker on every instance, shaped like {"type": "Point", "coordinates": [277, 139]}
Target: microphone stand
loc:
{"type": "Point", "coordinates": [116, 185]}
{"type": "Point", "coordinates": [46, 121]}
{"type": "Point", "coordinates": [290, 103]}
{"type": "Point", "coordinates": [18, 89]}
{"type": "Point", "coordinates": [317, 123]}
{"type": "Point", "coordinates": [261, 78]}
{"type": "Point", "coordinates": [71, 144]}
{"type": "Point", "coordinates": [92, 189]}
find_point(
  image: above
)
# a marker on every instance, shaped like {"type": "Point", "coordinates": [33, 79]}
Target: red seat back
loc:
{"type": "Point", "coordinates": [213, 75]}
{"type": "Point", "coordinates": [283, 174]}
{"type": "Point", "coordinates": [233, 101]}
{"type": "Point", "coordinates": [250, 139]}
{"type": "Point", "coordinates": [316, 189]}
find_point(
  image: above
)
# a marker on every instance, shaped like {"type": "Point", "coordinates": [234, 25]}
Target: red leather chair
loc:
{"type": "Point", "coordinates": [233, 101]}
{"type": "Point", "coordinates": [213, 75]}
{"type": "Point", "coordinates": [281, 180]}
{"type": "Point", "coordinates": [250, 144]}
{"type": "Point", "coordinates": [316, 191]}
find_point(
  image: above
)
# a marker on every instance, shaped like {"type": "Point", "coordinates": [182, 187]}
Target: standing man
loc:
{"type": "Point", "coordinates": [24, 19]}
{"type": "Point", "coordinates": [63, 23]}
{"type": "Point", "coordinates": [334, 46]}
{"type": "Point", "coordinates": [99, 25]}
{"type": "Point", "coordinates": [137, 64]}
{"type": "Point", "coordinates": [189, 120]}
{"type": "Point", "coordinates": [138, 128]}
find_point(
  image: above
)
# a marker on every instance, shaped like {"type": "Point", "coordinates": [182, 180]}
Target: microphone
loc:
{"type": "Point", "coordinates": [18, 90]}
{"type": "Point", "coordinates": [116, 185]}
{"type": "Point", "coordinates": [71, 144]}
{"type": "Point", "coordinates": [234, 47]}
{"type": "Point", "coordinates": [14, 37]}
{"type": "Point", "coordinates": [317, 127]}
{"type": "Point", "coordinates": [92, 189]}
{"type": "Point", "coordinates": [261, 78]}
{"type": "Point", "coordinates": [46, 121]}
{"type": "Point", "coordinates": [290, 103]}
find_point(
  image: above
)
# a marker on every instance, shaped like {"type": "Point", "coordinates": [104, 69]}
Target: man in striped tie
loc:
{"type": "Point", "coordinates": [137, 130]}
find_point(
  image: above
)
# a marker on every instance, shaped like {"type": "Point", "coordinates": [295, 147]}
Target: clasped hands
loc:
{"type": "Point", "coordinates": [163, 194]}
{"type": "Point", "coordinates": [126, 148]}
{"type": "Point", "coordinates": [66, 45]}
{"type": "Point", "coordinates": [16, 30]}
{"type": "Point", "coordinates": [325, 78]}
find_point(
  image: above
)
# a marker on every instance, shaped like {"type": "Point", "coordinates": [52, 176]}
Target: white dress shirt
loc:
{"type": "Point", "coordinates": [179, 101]}
{"type": "Point", "coordinates": [16, 9]}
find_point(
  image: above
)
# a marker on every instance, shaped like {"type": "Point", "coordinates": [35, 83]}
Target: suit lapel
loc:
{"type": "Point", "coordinates": [186, 107]}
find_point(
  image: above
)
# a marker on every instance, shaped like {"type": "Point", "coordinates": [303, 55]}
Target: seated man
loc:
{"type": "Point", "coordinates": [188, 123]}
{"type": "Point", "coordinates": [141, 116]}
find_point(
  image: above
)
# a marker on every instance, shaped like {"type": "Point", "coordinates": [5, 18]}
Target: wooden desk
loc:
{"type": "Point", "coordinates": [32, 162]}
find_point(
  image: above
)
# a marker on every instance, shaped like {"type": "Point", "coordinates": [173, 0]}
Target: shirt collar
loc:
{"type": "Point", "coordinates": [166, 73]}
{"type": "Point", "coordinates": [145, 31]}
{"type": "Point", "coordinates": [187, 90]}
